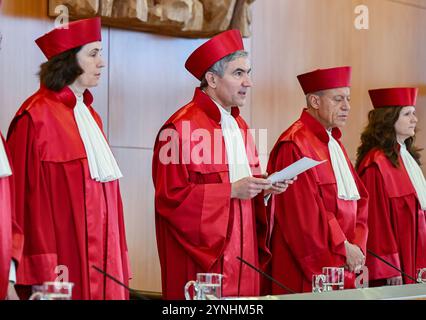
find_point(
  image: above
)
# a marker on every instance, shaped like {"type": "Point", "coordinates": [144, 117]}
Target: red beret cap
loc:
{"type": "Point", "coordinates": [212, 51]}
{"type": "Point", "coordinates": [70, 36]}
{"type": "Point", "coordinates": [390, 97]}
{"type": "Point", "coordinates": [323, 79]}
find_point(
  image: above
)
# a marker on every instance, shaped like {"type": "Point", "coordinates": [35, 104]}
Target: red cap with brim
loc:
{"type": "Point", "coordinates": [70, 36]}
{"type": "Point", "coordinates": [393, 97]}
{"type": "Point", "coordinates": [323, 79]}
{"type": "Point", "coordinates": [212, 51]}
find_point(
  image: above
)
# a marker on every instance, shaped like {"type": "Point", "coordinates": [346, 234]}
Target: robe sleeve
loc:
{"type": "Point", "coordinates": [32, 204]}
{"type": "Point", "coordinates": [17, 234]}
{"type": "Point", "coordinates": [197, 214]}
{"type": "Point", "coordinates": [311, 232]}
{"type": "Point", "coordinates": [381, 238]}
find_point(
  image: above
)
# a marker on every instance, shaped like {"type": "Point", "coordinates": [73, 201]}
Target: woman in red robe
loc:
{"type": "Point", "coordinates": [388, 163]}
{"type": "Point", "coordinates": [68, 198]}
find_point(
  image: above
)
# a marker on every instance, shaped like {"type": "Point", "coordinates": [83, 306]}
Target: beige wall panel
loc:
{"type": "Point", "coordinates": [138, 199]}
{"type": "Point", "coordinates": [148, 82]}
{"type": "Point", "coordinates": [288, 40]}
{"type": "Point", "coordinates": [390, 53]}
{"type": "Point", "coordinates": [421, 4]}
{"type": "Point", "coordinates": [292, 37]}
{"type": "Point", "coordinates": [20, 23]}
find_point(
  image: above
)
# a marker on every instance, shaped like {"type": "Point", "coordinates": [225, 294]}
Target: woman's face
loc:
{"type": "Point", "coordinates": [90, 60]}
{"type": "Point", "coordinates": [406, 124]}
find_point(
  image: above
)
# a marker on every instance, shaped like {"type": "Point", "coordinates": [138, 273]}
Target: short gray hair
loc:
{"type": "Point", "coordinates": [220, 66]}
{"type": "Point", "coordinates": [318, 93]}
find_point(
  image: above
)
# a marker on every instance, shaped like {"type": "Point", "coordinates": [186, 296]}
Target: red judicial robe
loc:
{"type": "Point", "coordinates": [310, 222]}
{"type": "Point", "coordinates": [68, 219]}
{"type": "Point", "coordinates": [199, 227]}
{"type": "Point", "coordinates": [11, 238]}
{"type": "Point", "coordinates": [396, 223]}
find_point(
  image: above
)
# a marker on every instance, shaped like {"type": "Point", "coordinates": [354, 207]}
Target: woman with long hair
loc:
{"type": "Point", "coordinates": [389, 165]}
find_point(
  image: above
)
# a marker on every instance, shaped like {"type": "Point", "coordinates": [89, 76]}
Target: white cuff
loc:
{"type": "Point", "coordinates": [12, 272]}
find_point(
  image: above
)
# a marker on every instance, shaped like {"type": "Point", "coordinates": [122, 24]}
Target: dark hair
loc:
{"type": "Point", "coordinates": [61, 70]}
{"type": "Point", "coordinates": [380, 133]}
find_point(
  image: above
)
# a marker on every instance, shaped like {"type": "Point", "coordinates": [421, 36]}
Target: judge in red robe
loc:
{"type": "Point", "coordinates": [68, 198]}
{"type": "Point", "coordinates": [388, 165]}
{"type": "Point", "coordinates": [320, 221]}
{"type": "Point", "coordinates": [209, 206]}
{"type": "Point", "coordinates": [11, 238]}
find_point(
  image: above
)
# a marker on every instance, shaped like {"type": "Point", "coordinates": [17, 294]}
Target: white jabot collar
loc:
{"type": "Point", "coordinates": [346, 186]}
{"type": "Point", "coordinates": [5, 170]}
{"type": "Point", "coordinates": [416, 175]}
{"type": "Point", "coordinates": [102, 164]}
{"type": "Point", "coordinates": [238, 164]}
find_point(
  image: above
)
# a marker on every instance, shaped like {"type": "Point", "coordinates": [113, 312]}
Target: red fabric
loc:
{"type": "Point", "coordinates": [11, 237]}
{"type": "Point", "coordinates": [68, 219]}
{"type": "Point", "coordinates": [212, 51]}
{"type": "Point", "coordinates": [199, 228]}
{"type": "Point", "coordinates": [396, 222]}
{"type": "Point", "coordinates": [323, 79]}
{"type": "Point", "coordinates": [73, 35]}
{"type": "Point", "coordinates": [392, 97]}
{"type": "Point", "coordinates": [310, 224]}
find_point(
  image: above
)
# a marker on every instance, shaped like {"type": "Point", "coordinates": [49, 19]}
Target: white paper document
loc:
{"type": "Point", "coordinates": [294, 169]}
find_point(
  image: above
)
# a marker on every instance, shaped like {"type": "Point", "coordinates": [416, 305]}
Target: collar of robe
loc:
{"type": "Point", "coordinates": [318, 129]}
{"type": "Point", "coordinates": [67, 96]}
{"type": "Point", "coordinates": [209, 106]}
{"type": "Point", "coordinates": [5, 169]}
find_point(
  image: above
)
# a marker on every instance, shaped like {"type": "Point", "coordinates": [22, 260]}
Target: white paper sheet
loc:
{"type": "Point", "coordinates": [294, 169]}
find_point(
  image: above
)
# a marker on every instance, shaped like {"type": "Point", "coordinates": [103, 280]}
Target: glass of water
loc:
{"type": "Point", "coordinates": [421, 275]}
{"type": "Point", "coordinates": [208, 286]}
{"type": "Point", "coordinates": [334, 278]}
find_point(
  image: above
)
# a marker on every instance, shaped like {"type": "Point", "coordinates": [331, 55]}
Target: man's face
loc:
{"type": "Point", "coordinates": [333, 107]}
{"type": "Point", "coordinates": [232, 89]}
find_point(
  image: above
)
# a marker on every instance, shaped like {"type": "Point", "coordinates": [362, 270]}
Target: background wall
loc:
{"type": "Point", "coordinates": [145, 82]}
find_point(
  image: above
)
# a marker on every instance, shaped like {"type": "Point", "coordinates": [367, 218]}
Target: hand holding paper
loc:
{"type": "Point", "coordinates": [294, 169]}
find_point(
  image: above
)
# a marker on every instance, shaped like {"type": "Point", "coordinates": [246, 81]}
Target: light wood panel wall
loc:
{"type": "Point", "coordinates": [145, 82]}
{"type": "Point", "coordinates": [293, 37]}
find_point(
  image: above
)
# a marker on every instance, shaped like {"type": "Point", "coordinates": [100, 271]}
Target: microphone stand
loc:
{"type": "Point", "coordinates": [391, 265]}
{"type": "Point", "coordinates": [266, 275]}
{"type": "Point", "coordinates": [132, 291]}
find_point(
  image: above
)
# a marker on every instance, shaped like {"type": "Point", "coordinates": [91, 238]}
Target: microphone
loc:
{"type": "Point", "coordinates": [391, 265]}
{"type": "Point", "coordinates": [134, 292]}
{"type": "Point", "coordinates": [266, 275]}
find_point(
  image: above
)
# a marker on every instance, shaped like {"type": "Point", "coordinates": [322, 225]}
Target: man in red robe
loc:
{"type": "Point", "coordinates": [321, 221]}
{"type": "Point", "coordinates": [209, 207]}
{"type": "Point", "coordinates": [71, 220]}
{"type": "Point", "coordinates": [397, 214]}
